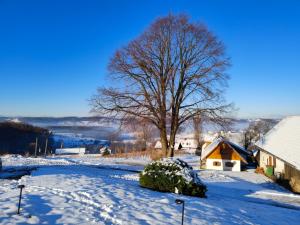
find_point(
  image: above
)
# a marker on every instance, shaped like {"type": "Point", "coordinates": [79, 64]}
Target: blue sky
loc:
{"type": "Point", "coordinates": [54, 54]}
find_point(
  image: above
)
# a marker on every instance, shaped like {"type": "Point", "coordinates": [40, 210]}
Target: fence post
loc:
{"type": "Point", "coordinates": [36, 143]}
{"type": "Point", "coordinates": [46, 147]}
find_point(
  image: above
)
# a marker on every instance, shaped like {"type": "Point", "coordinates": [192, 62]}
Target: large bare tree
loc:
{"type": "Point", "coordinates": [174, 71]}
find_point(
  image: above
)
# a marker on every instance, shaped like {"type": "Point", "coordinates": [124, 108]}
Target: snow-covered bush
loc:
{"type": "Point", "coordinates": [169, 175]}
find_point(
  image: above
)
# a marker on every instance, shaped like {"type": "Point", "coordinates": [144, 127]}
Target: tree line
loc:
{"type": "Point", "coordinates": [20, 138]}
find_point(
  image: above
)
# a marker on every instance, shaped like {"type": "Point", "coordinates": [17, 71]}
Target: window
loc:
{"type": "Point", "coordinates": [229, 164]}
{"type": "Point", "coordinates": [216, 163]}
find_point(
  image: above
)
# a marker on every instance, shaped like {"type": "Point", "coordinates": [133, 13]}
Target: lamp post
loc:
{"type": "Point", "coordinates": [179, 202]}
{"type": "Point", "coordinates": [20, 197]}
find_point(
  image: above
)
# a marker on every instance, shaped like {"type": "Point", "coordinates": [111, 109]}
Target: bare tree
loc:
{"type": "Point", "coordinates": [197, 124]}
{"type": "Point", "coordinates": [255, 131]}
{"type": "Point", "coordinates": [173, 72]}
{"type": "Point", "coordinates": [143, 130]}
{"type": "Point", "coordinates": [114, 137]}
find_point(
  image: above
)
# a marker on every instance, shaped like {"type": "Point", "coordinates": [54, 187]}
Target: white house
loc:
{"type": "Point", "coordinates": [70, 151]}
{"type": "Point", "coordinates": [187, 143]}
{"type": "Point", "coordinates": [222, 154]}
{"type": "Point", "coordinates": [279, 151]}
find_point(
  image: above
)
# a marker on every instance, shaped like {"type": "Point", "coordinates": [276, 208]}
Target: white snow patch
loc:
{"type": "Point", "coordinates": [68, 192]}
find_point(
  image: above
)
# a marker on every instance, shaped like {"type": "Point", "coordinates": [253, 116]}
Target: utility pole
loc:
{"type": "Point", "coordinates": [36, 143]}
{"type": "Point", "coordinates": [46, 147]}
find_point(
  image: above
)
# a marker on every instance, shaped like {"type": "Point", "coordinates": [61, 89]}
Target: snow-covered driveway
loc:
{"type": "Point", "coordinates": [81, 194]}
{"type": "Point", "coordinates": [249, 186]}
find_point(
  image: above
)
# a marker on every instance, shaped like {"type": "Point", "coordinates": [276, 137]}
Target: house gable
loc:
{"type": "Point", "coordinates": [224, 151]}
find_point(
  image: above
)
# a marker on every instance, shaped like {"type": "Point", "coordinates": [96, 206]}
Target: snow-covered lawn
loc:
{"type": "Point", "coordinates": [98, 191]}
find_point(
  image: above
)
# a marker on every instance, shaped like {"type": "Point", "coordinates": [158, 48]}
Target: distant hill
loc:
{"type": "Point", "coordinates": [97, 121]}
{"type": "Point", "coordinates": [102, 128]}
{"type": "Point", "coordinates": [59, 121]}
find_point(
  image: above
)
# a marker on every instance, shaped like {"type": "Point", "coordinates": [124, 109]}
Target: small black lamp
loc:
{"type": "Point", "coordinates": [179, 202]}
{"type": "Point", "coordinates": [20, 197]}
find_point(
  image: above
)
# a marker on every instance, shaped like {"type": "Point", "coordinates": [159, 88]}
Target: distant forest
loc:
{"type": "Point", "coordinates": [20, 138]}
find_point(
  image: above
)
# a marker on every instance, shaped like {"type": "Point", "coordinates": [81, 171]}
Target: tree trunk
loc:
{"type": "Point", "coordinates": [197, 122]}
{"type": "Point", "coordinates": [174, 128]}
{"type": "Point", "coordinates": [164, 141]}
{"type": "Point", "coordinates": [171, 145]}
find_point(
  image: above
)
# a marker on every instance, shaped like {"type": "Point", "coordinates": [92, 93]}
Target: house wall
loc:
{"type": "Point", "coordinates": [266, 159]}
{"type": "Point", "coordinates": [66, 151]}
{"type": "Point", "coordinates": [279, 166]}
{"type": "Point", "coordinates": [263, 159]}
{"type": "Point", "coordinates": [288, 173]}
{"type": "Point", "coordinates": [222, 155]}
{"type": "Point", "coordinates": [186, 143]}
{"type": "Point", "coordinates": [211, 164]}
{"type": "Point", "coordinates": [293, 176]}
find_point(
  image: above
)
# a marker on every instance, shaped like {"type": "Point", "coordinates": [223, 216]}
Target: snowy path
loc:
{"type": "Point", "coordinates": [72, 193]}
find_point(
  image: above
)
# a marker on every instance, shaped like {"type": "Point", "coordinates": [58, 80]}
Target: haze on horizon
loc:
{"type": "Point", "coordinates": [54, 54]}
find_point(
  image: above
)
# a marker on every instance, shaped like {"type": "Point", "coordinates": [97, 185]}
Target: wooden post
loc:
{"type": "Point", "coordinates": [46, 147]}
{"type": "Point", "coordinates": [36, 143]}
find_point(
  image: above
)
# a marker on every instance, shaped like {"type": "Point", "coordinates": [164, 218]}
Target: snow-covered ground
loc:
{"type": "Point", "coordinates": [94, 190]}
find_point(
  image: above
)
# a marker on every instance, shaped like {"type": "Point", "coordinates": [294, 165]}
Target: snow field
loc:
{"type": "Point", "coordinates": [81, 192]}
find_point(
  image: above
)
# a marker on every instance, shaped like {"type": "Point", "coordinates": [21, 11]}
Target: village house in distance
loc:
{"type": "Point", "coordinates": [186, 143]}
{"type": "Point", "coordinates": [279, 152]}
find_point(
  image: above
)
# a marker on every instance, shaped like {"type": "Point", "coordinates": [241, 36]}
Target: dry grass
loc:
{"type": "Point", "coordinates": [154, 154]}
{"type": "Point", "coordinates": [157, 154]}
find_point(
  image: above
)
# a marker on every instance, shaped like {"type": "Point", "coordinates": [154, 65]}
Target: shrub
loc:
{"type": "Point", "coordinates": [260, 170]}
{"type": "Point", "coordinates": [176, 176]}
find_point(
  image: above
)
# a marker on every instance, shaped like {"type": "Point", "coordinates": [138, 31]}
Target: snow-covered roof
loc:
{"type": "Point", "coordinates": [206, 151]}
{"type": "Point", "coordinates": [158, 144]}
{"type": "Point", "coordinates": [283, 140]}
